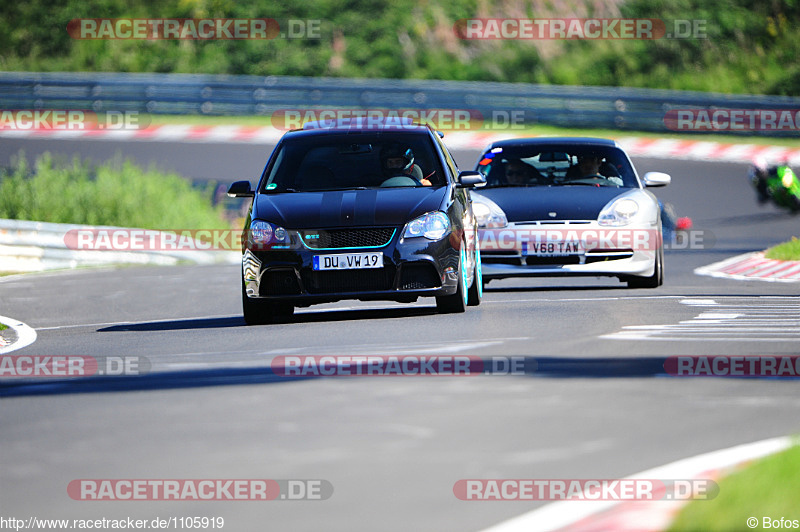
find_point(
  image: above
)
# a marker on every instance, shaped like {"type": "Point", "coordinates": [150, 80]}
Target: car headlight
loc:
{"type": "Point", "coordinates": [619, 212]}
{"type": "Point", "coordinates": [264, 235]}
{"type": "Point", "coordinates": [488, 213]}
{"type": "Point", "coordinates": [432, 226]}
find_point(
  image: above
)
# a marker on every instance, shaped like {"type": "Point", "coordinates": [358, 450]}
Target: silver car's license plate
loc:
{"type": "Point", "coordinates": [348, 261]}
{"type": "Point", "coordinates": [551, 249]}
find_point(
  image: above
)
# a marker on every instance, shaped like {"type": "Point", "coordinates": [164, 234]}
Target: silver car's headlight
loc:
{"type": "Point", "coordinates": [488, 213]}
{"type": "Point", "coordinates": [621, 211]}
{"type": "Point", "coordinates": [432, 226]}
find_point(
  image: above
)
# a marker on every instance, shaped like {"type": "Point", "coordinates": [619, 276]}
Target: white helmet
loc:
{"type": "Point", "coordinates": [760, 163]}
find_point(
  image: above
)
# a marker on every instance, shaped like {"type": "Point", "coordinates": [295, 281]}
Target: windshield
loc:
{"type": "Point", "coordinates": [354, 161]}
{"type": "Point", "coordinates": [557, 165]}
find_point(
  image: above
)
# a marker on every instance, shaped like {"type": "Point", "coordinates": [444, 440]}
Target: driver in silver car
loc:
{"type": "Point", "coordinates": [592, 165]}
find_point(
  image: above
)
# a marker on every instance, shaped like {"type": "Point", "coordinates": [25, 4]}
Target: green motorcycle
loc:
{"type": "Point", "coordinates": [777, 183]}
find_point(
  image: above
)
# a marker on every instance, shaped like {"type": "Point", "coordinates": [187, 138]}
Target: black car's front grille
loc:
{"type": "Point", "coordinates": [417, 276]}
{"type": "Point", "coordinates": [371, 237]}
{"type": "Point", "coordinates": [341, 281]}
{"type": "Point", "coordinates": [279, 283]}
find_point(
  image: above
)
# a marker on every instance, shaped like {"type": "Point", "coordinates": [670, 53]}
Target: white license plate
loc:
{"type": "Point", "coordinates": [348, 261]}
{"type": "Point", "coordinates": [550, 249]}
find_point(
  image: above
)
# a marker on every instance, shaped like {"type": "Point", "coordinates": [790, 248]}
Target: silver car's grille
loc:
{"type": "Point", "coordinates": [555, 222]}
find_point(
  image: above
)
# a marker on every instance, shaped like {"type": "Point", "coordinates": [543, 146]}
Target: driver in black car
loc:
{"type": "Point", "coordinates": [400, 162]}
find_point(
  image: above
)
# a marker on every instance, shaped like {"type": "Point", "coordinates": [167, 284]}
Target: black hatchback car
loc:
{"type": "Point", "coordinates": [353, 210]}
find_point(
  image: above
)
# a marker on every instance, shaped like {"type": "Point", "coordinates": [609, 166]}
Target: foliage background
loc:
{"type": "Point", "coordinates": [750, 47]}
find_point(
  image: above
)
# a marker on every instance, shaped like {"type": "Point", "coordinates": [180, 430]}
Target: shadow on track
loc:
{"type": "Point", "coordinates": [499, 289]}
{"type": "Point", "coordinates": [165, 380]}
{"type": "Point", "coordinates": [177, 325]}
{"type": "Point", "coordinates": [303, 317]}
{"type": "Point", "coordinates": [543, 367]}
{"type": "Point", "coordinates": [352, 315]}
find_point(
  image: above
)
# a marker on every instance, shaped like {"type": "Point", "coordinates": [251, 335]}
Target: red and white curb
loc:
{"type": "Point", "coordinates": [706, 151]}
{"type": "Point", "coordinates": [640, 516]}
{"type": "Point", "coordinates": [25, 335]}
{"type": "Point", "coordinates": [169, 133]}
{"type": "Point", "coordinates": [635, 146]}
{"type": "Point", "coordinates": [754, 267]}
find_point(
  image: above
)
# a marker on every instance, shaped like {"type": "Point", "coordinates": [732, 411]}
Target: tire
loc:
{"type": "Point", "coordinates": [457, 302]}
{"type": "Point", "coordinates": [655, 280]}
{"type": "Point", "coordinates": [260, 311]}
{"type": "Point", "coordinates": [475, 293]}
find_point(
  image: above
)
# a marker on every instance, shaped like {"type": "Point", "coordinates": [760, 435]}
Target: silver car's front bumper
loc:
{"type": "Point", "coordinates": [516, 251]}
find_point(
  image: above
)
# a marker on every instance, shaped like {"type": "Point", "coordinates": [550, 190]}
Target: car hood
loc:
{"type": "Point", "coordinates": [523, 204]}
{"type": "Point", "coordinates": [337, 208]}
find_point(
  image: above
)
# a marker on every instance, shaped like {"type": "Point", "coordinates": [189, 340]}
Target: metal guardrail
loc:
{"type": "Point", "coordinates": [27, 246]}
{"type": "Point", "coordinates": [568, 106]}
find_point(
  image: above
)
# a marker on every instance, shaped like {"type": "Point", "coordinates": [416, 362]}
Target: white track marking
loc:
{"type": "Point", "coordinates": [741, 319]}
{"type": "Point", "coordinates": [25, 335]}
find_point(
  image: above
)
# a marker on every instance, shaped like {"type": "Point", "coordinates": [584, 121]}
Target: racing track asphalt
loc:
{"type": "Point", "coordinates": [394, 446]}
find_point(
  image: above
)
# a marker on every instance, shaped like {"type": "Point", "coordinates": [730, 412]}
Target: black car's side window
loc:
{"type": "Point", "coordinates": [268, 175]}
{"type": "Point", "coordinates": [449, 160]}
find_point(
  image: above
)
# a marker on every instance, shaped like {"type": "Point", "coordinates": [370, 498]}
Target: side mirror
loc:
{"type": "Point", "coordinates": [441, 135]}
{"type": "Point", "coordinates": [241, 189]}
{"type": "Point", "coordinates": [470, 178]}
{"type": "Point", "coordinates": [657, 179]}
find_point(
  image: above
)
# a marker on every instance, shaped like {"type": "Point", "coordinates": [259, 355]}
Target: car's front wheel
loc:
{"type": "Point", "coordinates": [261, 311]}
{"type": "Point", "coordinates": [655, 280]}
{"type": "Point", "coordinates": [475, 293]}
{"type": "Point", "coordinates": [457, 302]}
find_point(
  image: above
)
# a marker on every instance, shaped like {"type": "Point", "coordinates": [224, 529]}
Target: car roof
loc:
{"type": "Point", "coordinates": [551, 141]}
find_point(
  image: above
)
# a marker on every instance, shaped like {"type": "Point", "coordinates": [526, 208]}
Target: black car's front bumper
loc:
{"type": "Point", "coordinates": [412, 268]}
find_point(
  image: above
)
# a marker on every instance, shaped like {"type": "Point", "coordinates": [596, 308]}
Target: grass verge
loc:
{"type": "Point", "coordinates": [787, 251]}
{"type": "Point", "coordinates": [117, 193]}
{"type": "Point", "coordinates": [770, 487]}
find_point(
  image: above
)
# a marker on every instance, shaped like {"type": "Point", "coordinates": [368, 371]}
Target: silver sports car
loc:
{"type": "Point", "coordinates": [568, 206]}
